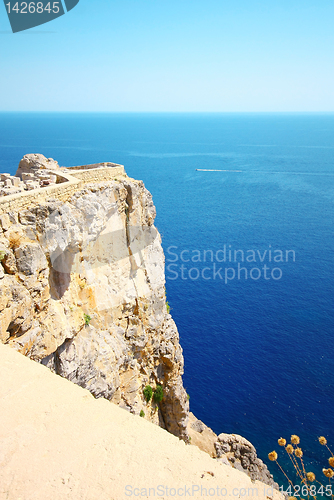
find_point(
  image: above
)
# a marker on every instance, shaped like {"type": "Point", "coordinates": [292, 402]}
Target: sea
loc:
{"type": "Point", "coordinates": [245, 208]}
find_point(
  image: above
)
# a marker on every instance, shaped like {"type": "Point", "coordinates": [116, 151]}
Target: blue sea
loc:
{"type": "Point", "coordinates": [258, 351]}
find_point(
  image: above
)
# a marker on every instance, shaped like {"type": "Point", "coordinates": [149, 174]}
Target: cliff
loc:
{"type": "Point", "coordinates": [82, 291]}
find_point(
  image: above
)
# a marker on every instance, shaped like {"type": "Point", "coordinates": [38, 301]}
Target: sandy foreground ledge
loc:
{"type": "Point", "coordinates": [58, 442]}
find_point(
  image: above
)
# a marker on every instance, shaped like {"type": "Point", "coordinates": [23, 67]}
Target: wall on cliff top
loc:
{"type": "Point", "coordinates": [82, 291]}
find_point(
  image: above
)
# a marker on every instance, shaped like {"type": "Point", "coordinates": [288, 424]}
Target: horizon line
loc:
{"type": "Point", "coordinates": [165, 112]}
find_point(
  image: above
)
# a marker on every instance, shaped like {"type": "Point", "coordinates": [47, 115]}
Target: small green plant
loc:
{"type": "Point", "coordinates": [142, 414]}
{"type": "Point", "coordinates": [158, 394]}
{"type": "Point", "coordinates": [188, 397]}
{"type": "Point", "coordinates": [2, 255]}
{"type": "Point", "coordinates": [168, 307]}
{"type": "Point", "coordinates": [148, 393]}
{"type": "Point", "coordinates": [87, 319]}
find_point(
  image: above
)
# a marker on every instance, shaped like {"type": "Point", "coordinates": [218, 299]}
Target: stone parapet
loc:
{"type": "Point", "coordinates": [69, 181]}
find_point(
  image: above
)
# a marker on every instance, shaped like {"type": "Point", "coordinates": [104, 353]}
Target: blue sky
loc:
{"type": "Point", "coordinates": [175, 55]}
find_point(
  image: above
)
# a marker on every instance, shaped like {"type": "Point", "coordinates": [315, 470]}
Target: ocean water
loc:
{"type": "Point", "coordinates": [258, 351]}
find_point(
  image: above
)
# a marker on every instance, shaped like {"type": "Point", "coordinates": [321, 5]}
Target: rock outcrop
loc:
{"type": "Point", "coordinates": [34, 172]}
{"type": "Point", "coordinates": [229, 449]}
{"type": "Point", "coordinates": [82, 292]}
{"type": "Point", "coordinates": [34, 163]}
{"type": "Point", "coordinates": [241, 454]}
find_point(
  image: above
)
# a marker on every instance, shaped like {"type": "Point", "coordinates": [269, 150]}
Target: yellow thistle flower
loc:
{"type": "Point", "coordinates": [289, 449]}
{"type": "Point", "coordinates": [331, 461]}
{"type": "Point", "coordinates": [272, 456]}
{"type": "Point", "coordinates": [295, 439]}
{"type": "Point", "coordinates": [310, 476]}
{"type": "Point", "coordinates": [322, 440]}
{"type": "Point", "coordinates": [282, 442]}
{"type": "Point", "coordinates": [298, 452]}
{"type": "Point", "coordinates": [328, 472]}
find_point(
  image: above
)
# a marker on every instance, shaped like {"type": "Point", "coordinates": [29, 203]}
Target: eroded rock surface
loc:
{"type": "Point", "coordinates": [82, 291]}
{"type": "Point", "coordinates": [242, 455]}
{"type": "Point", "coordinates": [33, 163]}
{"type": "Point", "coordinates": [229, 449]}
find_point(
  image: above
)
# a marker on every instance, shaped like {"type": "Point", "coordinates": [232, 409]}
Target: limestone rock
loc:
{"type": "Point", "coordinates": [97, 256]}
{"type": "Point", "coordinates": [9, 262]}
{"type": "Point", "coordinates": [30, 259]}
{"type": "Point", "coordinates": [32, 163]}
{"type": "Point", "coordinates": [26, 217]}
{"type": "Point", "coordinates": [201, 435]}
{"type": "Point", "coordinates": [15, 309]}
{"type": "Point", "coordinates": [5, 222]}
{"type": "Point", "coordinates": [198, 426]}
{"type": "Point", "coordinates": [242, 455]}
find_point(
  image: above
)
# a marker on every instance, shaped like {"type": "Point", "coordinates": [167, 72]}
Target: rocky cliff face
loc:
{"type": "Point", "coordinates": [82, 291]}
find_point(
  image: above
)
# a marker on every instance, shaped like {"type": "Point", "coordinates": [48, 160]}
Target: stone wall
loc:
{"type": "Point", "coordinates": [98, 174]}
{"type": "Point", "coordinates": [74, 180]}
{"type": "Point", "coordinates": [94, 165]}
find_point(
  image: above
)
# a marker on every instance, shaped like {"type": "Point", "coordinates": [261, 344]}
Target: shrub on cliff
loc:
{"type": "Point", "coordinates": [87, 319]}
{"type": "Point", "coordinates": [158, 394]}
{"type": "Point", "coordinates": [148, 393]}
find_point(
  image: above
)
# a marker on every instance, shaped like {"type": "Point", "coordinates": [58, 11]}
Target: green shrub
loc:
{"type": "Point", "coordinates": [87, 319]}
{"type": "Point", "coordinates": [188, 397]}
{"type": "Point", "coordinates": [2, 255]}
{"type": "Point", "coordinates": [158, 394]}
{"type": "Point", "coordinates": [142, 414]}
{"type": "Point", "coordinates": [148, 393]}
{"type": "Point", "coordinates": [168, 307]}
